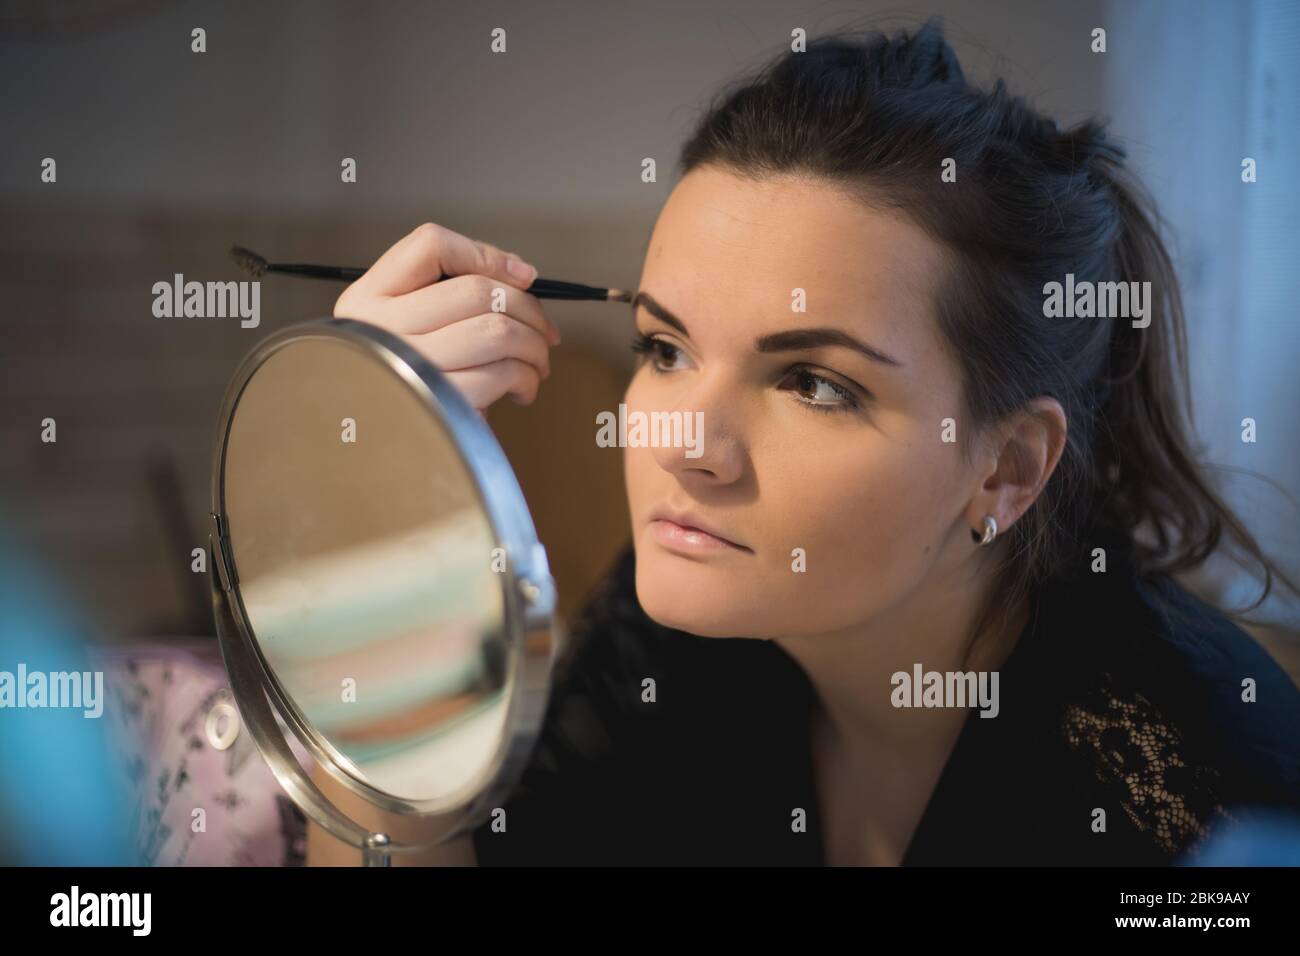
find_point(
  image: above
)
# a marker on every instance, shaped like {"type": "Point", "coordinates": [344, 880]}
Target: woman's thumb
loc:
{"type": "Point", "coordinates": [491, 261]}
{"type": "Point", "coordinates": [522, 272]}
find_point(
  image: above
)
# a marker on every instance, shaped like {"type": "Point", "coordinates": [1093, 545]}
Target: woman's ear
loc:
{"type": "Point", "coordinates": [1028, 447]}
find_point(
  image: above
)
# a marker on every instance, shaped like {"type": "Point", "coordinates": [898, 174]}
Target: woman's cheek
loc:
{"type": "Point", "coordinates": [849, 534]}
{"type": "Point", "coordinates": [638, 464]}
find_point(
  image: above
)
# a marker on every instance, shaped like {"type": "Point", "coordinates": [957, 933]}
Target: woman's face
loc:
{"type": "Point", "coordinates": [822, 419]}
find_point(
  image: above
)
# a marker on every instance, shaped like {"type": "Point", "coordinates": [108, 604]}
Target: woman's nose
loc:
{"type": "Point", "coordinates": [709, 449]}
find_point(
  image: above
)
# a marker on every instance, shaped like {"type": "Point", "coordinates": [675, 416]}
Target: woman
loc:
{"type": "Point", "coordinates": [911, 602]}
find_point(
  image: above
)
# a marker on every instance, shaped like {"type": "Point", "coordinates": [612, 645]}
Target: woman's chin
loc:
{"type": "Point", "coordinates": [693, 599]}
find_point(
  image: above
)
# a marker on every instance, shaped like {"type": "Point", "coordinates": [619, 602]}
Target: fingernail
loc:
{"type": "Point", "coordinates": [521, 270]}
{"type": "Point", "coordinates": [555, 335]}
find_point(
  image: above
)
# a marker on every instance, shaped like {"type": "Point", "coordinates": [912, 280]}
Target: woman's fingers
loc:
{"type": "Point", "coordinates": [481, 340]}
{"type": "Point", "coordinates": [428, 251]}
{"type": "Point", "coordinates": [484, 384]}
{"type": "Point", "coordinates": [458, 298]}
{"type": "Point", "coordinates": [479, 327]}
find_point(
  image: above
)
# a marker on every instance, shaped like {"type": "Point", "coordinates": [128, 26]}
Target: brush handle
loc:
{"type": "Point", "coordinates": [542, 288]}
{"type": "Point", "coordinates": [317, 272]}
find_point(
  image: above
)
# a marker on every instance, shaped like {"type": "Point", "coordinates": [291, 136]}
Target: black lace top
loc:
{"type": "Point", "coordinates": [1122, 695]}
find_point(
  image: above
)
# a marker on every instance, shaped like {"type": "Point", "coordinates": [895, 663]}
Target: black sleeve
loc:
{"type": "Point", "coordinates": [1250, 738]}
{"type": "Point", "coordinates": [589, 780]}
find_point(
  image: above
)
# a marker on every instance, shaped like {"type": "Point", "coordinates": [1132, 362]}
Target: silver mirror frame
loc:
{"type": "Point", "coordinates": [533, 631]}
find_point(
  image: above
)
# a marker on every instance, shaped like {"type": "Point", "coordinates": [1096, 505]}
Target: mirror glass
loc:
{"type": "Point", "coordinates": [364, 559]}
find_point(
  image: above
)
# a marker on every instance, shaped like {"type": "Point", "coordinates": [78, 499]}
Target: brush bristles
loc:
{"type": "Point", "coordinates": [248, 260]}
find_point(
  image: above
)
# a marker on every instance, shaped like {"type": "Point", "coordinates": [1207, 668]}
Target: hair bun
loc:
{"type": "Point", "coordinates": [1081, 145]}
{"type": "Point", "coordinates": [904, 61]}
{"type": "Point", "coordinates": [933, 59]}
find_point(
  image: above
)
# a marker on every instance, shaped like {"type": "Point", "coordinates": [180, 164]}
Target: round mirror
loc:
{"type": "Point", "coordinates": [380, 590]}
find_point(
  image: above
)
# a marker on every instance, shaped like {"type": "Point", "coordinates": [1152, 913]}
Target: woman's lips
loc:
{"type": "Point", "coordinates": [689, 540]}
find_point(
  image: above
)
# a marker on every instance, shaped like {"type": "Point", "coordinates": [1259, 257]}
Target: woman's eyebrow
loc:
{"type": "Point", "coordinates": [814, 338]}
{"type": "Point", "coordinates": [659, 312]}
{"type": "Point", "coordinates": [777, 341]}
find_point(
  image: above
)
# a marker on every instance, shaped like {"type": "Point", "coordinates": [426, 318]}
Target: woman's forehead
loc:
{"type": "Point", "coordinates": [729, 246]}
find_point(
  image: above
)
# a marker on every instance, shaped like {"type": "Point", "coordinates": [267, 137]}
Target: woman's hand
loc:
{"type": "Point", "coordinates": [484, 353]}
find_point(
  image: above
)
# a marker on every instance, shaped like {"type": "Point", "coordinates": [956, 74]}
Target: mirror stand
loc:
{"type": "Point", "coordinates": [375, 852]}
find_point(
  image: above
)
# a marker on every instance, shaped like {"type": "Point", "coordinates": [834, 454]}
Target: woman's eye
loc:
{"type": "Point", "coordinates": [815, 391]}
{"type": "Point", "coordinates": [662, 353]}
{"type": "Point", "coordinates": [819, 392]}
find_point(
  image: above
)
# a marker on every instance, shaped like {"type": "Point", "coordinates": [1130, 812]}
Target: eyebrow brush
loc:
{"type": "Point", "coordinates": [256, 266]}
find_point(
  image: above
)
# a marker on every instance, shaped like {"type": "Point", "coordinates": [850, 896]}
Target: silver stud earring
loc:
{"type": "Point", "coordinates": [990, 531]}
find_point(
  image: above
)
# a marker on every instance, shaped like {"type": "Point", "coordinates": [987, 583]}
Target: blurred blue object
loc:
{"type": "Point", "coordinates": [61, 803]}
{"type": "Point", "coordinates": [1265, 838]}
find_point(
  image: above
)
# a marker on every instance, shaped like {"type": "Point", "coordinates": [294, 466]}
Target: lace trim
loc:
{"type": "Point", "coordinates": [1139, 754]}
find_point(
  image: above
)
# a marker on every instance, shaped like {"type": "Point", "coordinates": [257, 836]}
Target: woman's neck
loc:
{"type": "Point", "coordinates": [876, 764]}
{"type": "Point", "coordinates": [851, 671]}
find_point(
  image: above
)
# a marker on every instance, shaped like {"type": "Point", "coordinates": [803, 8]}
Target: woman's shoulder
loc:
{"type": "Point", "coordinates": [1171, 709]}
{"type": "Point", "coordinates": [612, 649]}
{"type": "Point", "coordinates": [623, 718]}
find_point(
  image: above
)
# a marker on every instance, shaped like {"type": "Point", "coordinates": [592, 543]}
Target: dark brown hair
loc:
{"type": "Point", "coordinates": [879, 116]}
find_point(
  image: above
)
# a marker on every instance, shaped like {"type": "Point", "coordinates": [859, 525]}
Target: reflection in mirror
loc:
{"type": "Point", "coordinates": [364, 559]}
